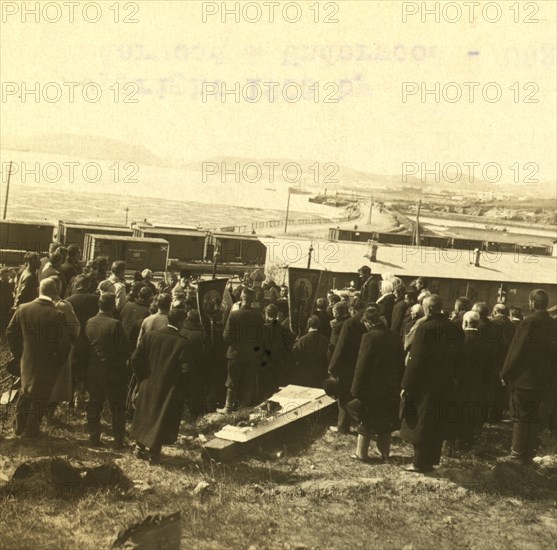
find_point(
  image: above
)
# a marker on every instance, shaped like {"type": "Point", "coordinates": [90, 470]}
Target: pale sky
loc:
{"type": "Point", "coordinates": [169, 52]}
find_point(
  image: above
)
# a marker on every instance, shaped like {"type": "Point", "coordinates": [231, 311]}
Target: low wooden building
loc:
{"type": "Point", "coordinates": [451, 273]}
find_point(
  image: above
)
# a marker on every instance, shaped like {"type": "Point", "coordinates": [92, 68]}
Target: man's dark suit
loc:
{"type": "Point", "coordinates": [369, 291]}
{"type": "Point", "coordinates": [429, 385]}
{"type": "Point", "coordinates": [529, 369]}
{"type": "Point", "coordinates": [399, 312]}
{"type": "Point", "coordinates": [309, 360]}
{"type": "Point", "coordinates": [243, 334]}
{"type": "Point", "coordinates": [106, 373]}
{"type": "Point", "coordinates": [343, 364]}
{"type": "Point", "coordinates": [39, 338]}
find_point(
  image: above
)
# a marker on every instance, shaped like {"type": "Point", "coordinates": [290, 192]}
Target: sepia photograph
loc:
{"type": "Point", "coordinates": [278, 275]}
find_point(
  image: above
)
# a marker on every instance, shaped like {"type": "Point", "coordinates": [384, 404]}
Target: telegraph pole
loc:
{"type": "Point", "coordinates": [309, 255]}
{"type": "Point", "coordinates": [287, 211]}
{"type": "Point", "coordinates": [7, 190]}
{"type": "Point", "coordinates": [417, 233]}
{"type": "Point", "coordinates": [127, 212]}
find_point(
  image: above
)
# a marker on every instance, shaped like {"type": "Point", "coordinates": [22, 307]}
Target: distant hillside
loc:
{"type": "Point", "coordinates": [101, 148]}
{"type": "Point", "coordinates": [90, 147]}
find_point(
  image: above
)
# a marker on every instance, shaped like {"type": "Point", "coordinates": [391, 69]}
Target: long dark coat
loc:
{"type": "Point", "coordinates": [377, 378]}
{"type": "Point", "coordinates": [309, 360]}
{"type": "Point", "coordinates": [85, 306]}
{"type": "Point", "coordinates": [39, 338]}
{"type": "Point", "coordinates": [473, 369]}
{"type": "Point", "coordinates": [277, 344]}
{"type": "Point", "coordinates": [163, 365]}
{"type": "Point", "coordinates": [344, 359]}
{"type": "Point", "coordinates": [429, 414]}
{"type": "Point", "coordinates": [199, 344]}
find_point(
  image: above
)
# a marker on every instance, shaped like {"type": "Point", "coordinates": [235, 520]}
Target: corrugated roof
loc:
{"type": "Point", "coordinates": [166, 231]}
{"type": "Point", "coordinates": [411, 261]}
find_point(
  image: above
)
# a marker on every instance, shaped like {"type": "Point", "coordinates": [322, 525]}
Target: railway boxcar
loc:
{"type": "Point", "coordinates": [138, 252]}
{"type": "Point", "coordinates": [24, 235]}
{"type": "Point", "coordinates": [236, 248]}
{"type": "Point", "coordinates": [74, 233]}
{"type": "Point", "coordinates": [186, 245]}
{"type": "Point", "coordinates": [435, 241]}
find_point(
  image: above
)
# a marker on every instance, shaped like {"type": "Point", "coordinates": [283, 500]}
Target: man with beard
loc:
{"type": "Point", "coordinates": [428, 387]}
{"type": "Point", "coordinates": [164, 366]}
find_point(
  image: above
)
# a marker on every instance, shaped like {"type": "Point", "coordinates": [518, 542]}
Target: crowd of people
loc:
{"type": "Point", "coordinates": [391, 355]}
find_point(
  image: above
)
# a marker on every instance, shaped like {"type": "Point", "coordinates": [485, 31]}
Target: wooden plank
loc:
{"type": "Point", "coordinates": [297, 402]}
{"type": "Point", "coordinates": [291, 412]}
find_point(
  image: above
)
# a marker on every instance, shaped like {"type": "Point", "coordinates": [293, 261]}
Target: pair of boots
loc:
{"type": "Point", "coordinates": [383, 446]}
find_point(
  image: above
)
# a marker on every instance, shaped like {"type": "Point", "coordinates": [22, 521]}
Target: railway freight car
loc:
{"type": "Point", "coordinates": [186, 245]}
{"type": "Point", "coordinates": [27, 236]}
{"type": "Point", "coordinates": [74, 233]}
{"type": "Point", "coordinates": [236, 248]}
{"type": "Point", "coordinates": [138, 252]}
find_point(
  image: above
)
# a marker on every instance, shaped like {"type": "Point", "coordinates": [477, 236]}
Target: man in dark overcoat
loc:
{"type": "Point", "coordinates": [428, 387]}
{"type": "Point", "coordinates": [506, 329]}
{"type": "Point", "coordinates": [376, 385]}
{"type": "Point", "coordinates": [473, 368]}
{"type": "Point", "coordinates": [39, 339]}
{"type": "Point", "coordinates": [192, 330]}
{"type": "Point", "coordinates": [344, 359]}
{"type": "Point", "coordinates": [164, 367]}
{"type": "Point", "coordinates": [529, 370]}
{"type": "Point", "coordinates": [277, 344]}
{"type": "Point", "coordinates": [106, 378]}
{"type": "Point", "coordinates": [309, 356]}
{"type": "Point", "coordinates": [243, 333]}
{"type": "Point", "coordinates": [85, 304]}
{"type": "Point", "coordinates": [492, 333]}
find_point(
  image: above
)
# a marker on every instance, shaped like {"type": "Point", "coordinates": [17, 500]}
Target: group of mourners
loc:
{"type": "Point", "coordinates": [391, 355]}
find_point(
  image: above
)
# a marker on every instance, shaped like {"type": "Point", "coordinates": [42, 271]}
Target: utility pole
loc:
{"type": "Point", "coordinates": [7, 190]}
{"type": "Point", "coordinates": [127, 212]}
{"type": "Point", "coordinates": [287, 210]}
{"type": "Point", "coordinates": [370, 210]}
{"type": "Point", "coordinates": [417, 238]}
{"type": "Point", "coordinates": [309, 255]}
